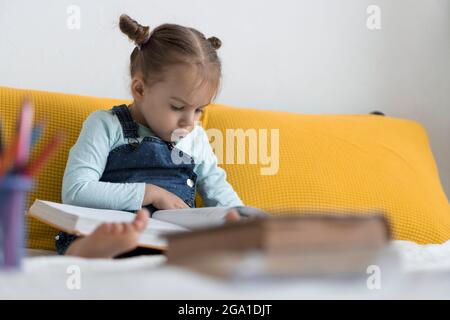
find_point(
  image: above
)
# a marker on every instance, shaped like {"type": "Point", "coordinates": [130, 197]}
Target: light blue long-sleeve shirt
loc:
{"type": "Point", "coordinates": [101, 133]}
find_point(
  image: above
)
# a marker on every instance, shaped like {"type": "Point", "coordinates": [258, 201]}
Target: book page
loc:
{"type": "Point", "coordinates": [193, 218]}
{"type": "Point", "coordinates": [89, 218]}
{"type": "Point", "coordinates": [91, 213]}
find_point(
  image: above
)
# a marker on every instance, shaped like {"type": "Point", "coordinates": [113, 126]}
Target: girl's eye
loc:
{"type": "Point", "coordinates": [181, 108]}
{"type": "Point", "coordinates": [175, 108]}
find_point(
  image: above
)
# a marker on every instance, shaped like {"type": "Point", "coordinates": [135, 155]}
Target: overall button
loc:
{"type": "Point", "coordinates": [190, 183]}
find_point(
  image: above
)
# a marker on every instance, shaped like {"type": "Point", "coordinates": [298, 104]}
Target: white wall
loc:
{"type": "Point", "coordinates": [312, 56]}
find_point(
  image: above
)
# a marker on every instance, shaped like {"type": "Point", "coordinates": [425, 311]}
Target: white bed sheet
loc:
{"type": "Point", "coordinates": [423, 271]}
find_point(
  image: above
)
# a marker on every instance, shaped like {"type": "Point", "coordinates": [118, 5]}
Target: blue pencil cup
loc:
{"type": "Point", "coordinates": [14, 190]}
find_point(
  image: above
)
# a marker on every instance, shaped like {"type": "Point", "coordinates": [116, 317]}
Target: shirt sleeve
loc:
{"type": "Point", "coordinates": [212, 180]}
{"type": "Point", "coordinates": [86, 163]}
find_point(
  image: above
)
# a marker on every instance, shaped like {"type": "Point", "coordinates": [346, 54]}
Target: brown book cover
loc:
{"type": "Point", "coordinates": [283, 245]}
{"type": "Point", "coordinates": [302, 232]}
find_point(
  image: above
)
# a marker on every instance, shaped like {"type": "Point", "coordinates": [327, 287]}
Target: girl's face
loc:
{"type": "Point", "coordinates": [170, 108]}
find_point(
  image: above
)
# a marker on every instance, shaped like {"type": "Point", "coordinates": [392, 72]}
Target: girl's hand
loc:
{"type": "Point", "coordinates": [162, 199]}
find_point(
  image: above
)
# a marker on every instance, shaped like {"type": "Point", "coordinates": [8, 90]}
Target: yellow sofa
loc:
{"type": "Point", "coordinates": [338, 163]}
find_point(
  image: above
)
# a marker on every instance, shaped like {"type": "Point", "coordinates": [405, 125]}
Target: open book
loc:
{"type": "Point", "coordinates": [83, 221]}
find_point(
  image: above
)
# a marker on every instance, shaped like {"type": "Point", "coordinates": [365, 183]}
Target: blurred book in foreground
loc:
{"type": "Point", "coordinates": [314, 244]}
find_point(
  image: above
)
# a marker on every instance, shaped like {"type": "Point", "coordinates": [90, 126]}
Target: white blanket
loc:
{"type": "Point", "coordinates": [423, 271]}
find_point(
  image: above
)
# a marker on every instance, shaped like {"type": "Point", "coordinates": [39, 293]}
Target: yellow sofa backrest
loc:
{"type": "Point", "coordinates": [343, 163]}
{"type": "Point", "coordinates": [336, 163]}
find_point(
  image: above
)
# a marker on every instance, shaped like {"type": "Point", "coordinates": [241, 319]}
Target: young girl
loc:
{"type": "Point", "coordinates": [124, 157]}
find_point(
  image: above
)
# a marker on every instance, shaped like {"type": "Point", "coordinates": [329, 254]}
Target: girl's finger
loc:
{"type": "Point", "coordinates": [127, 227]}
{"type": "Point", "coordinates": [117, 228]}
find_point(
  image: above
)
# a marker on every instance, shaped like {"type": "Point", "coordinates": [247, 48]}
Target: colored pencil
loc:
{"type": "Point", "coordinates": [24, 131]}
{"type": "Point", "coordinates": [1, 141]}
{"type": "Point", "coordinates": [51, 147]}
{"type": "Point", "coordinates": [1, 147]}
{"type": "Point", "coordinates": [37, 131]}
{"type": "Point", "coordinates": [8, 157]}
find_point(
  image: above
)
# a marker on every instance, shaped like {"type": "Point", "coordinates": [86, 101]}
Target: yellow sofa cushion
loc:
{"type": "Point", "coordinates": [342, 162]}
{"type": "Point", "coordinates": [332, 162]}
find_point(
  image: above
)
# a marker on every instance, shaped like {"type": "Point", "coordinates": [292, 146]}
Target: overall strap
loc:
{"type": "Point", "coordinates": [129, 126]}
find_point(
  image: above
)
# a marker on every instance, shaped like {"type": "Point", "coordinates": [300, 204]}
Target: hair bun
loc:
{"type": "Point", "coordinates": [135, 31]}
{"type": "Point", "coordinates": [215, 42]}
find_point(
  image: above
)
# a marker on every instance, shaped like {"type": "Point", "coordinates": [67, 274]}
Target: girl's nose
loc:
{"type": "Point", "coordinates": [188, 120]}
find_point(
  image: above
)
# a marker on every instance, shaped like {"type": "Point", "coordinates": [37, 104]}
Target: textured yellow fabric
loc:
{"type": "Point", "coordinates": [332, 162]}
{"type": "Point", "coordinates": [339, 163]}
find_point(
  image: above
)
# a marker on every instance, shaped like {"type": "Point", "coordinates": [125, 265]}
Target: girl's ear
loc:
{"type": "Point", "coordinates": [137, 88]}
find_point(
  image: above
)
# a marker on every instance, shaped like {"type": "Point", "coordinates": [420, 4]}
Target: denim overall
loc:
{"type": "Point", "coordinates": [148, 161]}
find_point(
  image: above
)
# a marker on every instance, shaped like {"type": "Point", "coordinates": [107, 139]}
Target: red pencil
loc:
{"type": "Point", "coordinates": [50, 148]}
{"type": "Point", "coordinates": [7, 160]}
